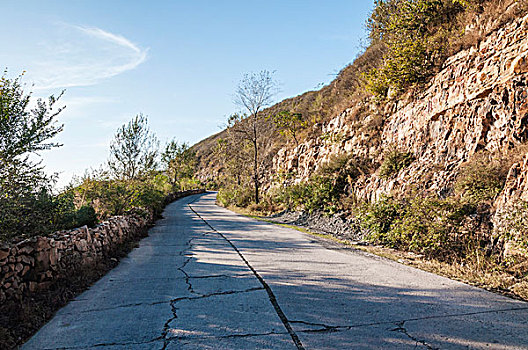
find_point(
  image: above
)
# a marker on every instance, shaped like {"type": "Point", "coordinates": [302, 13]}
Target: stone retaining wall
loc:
{"type": "Point", "coordinates": [34, 264]}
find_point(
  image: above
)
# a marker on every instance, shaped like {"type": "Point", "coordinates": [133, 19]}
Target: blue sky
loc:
{"type": "Point", "coordinates": [176, 61]}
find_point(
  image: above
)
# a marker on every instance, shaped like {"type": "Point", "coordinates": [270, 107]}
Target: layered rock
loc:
{"type": "Point", "coordinates": [477, 101]}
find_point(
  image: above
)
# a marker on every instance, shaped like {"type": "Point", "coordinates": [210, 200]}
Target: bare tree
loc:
{"type": "Point", "coordinates": [134, 150]}
{"type": "Point", "coordinates": [254, 92]}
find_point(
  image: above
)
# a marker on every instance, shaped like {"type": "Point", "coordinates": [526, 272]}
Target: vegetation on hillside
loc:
{"type": "Point", "coordinates": [439, 28]}
{"type": "Point", "coordinates": [409, 43]}
{"type": "Point", "coordinates": [29, 205]}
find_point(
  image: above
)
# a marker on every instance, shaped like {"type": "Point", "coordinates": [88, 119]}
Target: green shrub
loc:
{"type": "Point", "coordinates": [433, 227]}
{"type": "Point", "coordinates": [394, 161]}
{"type": "Point", "coordinates": [115, 197]}
{"type": "Point", "coordinates": [240, 196]}
{"type": "Point", "coordinates": [293, 196]}
{"type": "Point", "coordinates": [427, 225]}
{"type": "Point", "coordinates": [41, 213]}
{"type": "Point", "coordinates": [325, 189]}
{"type": "Point", "coordinates": [67, 216]}
{"type": "Point", "coordinates": [378, 217]}
{"type": "Point", "coordinates": [514, 224]}
{"type": "Point", "coordinates": [416, 36]}
{"type": "Point", "coordinates": [482, 178]}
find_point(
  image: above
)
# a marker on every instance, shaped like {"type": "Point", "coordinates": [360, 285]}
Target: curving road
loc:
{"type": "Point", "coordinates": [207, 278]}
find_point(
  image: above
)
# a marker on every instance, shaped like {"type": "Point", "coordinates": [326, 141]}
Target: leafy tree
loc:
{"type": "Point", "coordinates": [289, 123]}
{"type": "Point", "coordinates": [254, 92]}
{"type": "Point", "coordinates": [180, 162]}
{"type": "Point", "coordinates": [27, 204]}
{"type": "Point", "coordinates": [134, 150]}
{"type": "Point", "coordinates": [24, 130]}
{"type": "Point", "coordinates": [235, 158]}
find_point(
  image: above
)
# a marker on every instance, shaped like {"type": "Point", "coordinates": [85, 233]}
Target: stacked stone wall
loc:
{"type": "Point", "coordinates": [35, 264]}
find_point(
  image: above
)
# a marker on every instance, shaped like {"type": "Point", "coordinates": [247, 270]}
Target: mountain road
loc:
{"type": "Point", "coordinates": [207, 278]}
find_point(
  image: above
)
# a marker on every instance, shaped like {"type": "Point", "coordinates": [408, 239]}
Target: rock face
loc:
{"type": "Point", "coordinates": [35, 264]}
{"type": "Point", "coordinates": [478, 101]}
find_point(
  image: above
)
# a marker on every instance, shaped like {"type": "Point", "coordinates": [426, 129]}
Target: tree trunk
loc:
{"type": "Point", "coordinates": [255, 156]}
{"type": "Point", "coordinates": [255, 173]}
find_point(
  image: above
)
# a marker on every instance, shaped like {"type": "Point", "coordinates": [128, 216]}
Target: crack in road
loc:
{"type": "Point", "coordinates": [228, 336]}
{"type": "Point", "coordinates": [166, 327]}
{"type": "Point", "coordinates": [187, 277]}
{"type": "Point", "coordinates": [189, 245]}
{"type": "Point", "coordinates": [399, 323]}
{"type": "Point", "coordinates": [271, 296]}
{"type": "Point", "coordinates": [401, 329]}
{"type": "Point", "coordinates": [229, 292]}
{"type": "Point", "coordinates": [199, 296]}
{"type": "Point", "coordinates": [100, 345]}
{"type": "Point", "coordinates": [325, 328]}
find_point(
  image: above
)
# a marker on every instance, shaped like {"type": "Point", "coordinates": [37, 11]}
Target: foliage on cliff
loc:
{"type": "Point", "coordinates": [415, 36]}
{"type": "Point", "coordinates": [438, 29]}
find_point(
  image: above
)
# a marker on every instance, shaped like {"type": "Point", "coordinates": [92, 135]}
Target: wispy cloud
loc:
{"type": "Point", "coordinates": [82, 56]}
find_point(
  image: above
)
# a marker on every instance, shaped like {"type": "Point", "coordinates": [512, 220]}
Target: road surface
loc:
{"type": "Point", "coordinates": [207, 278]}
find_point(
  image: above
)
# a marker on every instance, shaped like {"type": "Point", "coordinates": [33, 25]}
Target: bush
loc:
{"type": "Point", "coordinates": [41, 213]}
{"type": "Point", "coordinates": [514, 224]}
{"type": "Point", "coordinates": [240, 196]}
{"type": "Point", "coordinates": [293, 196]}
{"type": "Point", "coordinates": [416, 35]}
{"type": "Point", "coordinates": [115, 197]}
{"type": "Point", "coordinates": [394, 161]}
{"type": "Point", "coordinates": [427, 225]}
{"type": "Point", "coordinates": [325, 189]}
{"type": "Point", "coordinates": [433, 227]}
{"type": "Point", "coordinates": [482, 178]}
{"type": "Point", "coordinates": [67, 216]}
{"type": "Point", "coordinates": [377, 218]}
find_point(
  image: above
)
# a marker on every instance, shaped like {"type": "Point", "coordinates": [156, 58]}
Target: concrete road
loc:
{"type": "Point", "coordinates": [207, 278]}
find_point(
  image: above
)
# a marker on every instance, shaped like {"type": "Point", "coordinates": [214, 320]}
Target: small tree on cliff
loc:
{"type": "Point", "coordinates": [180, 162]}
{"type": "Point", "coordinates": [134, 150]}
{"type": "Point", "coordinates": [254, 92]}
{"type": "Point", "coordinates": [289, 123]}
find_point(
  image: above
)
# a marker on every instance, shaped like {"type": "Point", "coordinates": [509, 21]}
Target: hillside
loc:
{"type": "Point", "coordinates": [348, 92]}
{"type": "Point", "coordinates": [434, 163]}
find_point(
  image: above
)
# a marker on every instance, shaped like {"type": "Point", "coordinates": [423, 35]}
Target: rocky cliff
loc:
{"type": "Point", "coordinates": [477, 101]}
